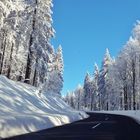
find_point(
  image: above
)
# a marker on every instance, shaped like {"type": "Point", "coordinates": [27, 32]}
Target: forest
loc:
{"type": "Point", "coordinates": [114, 86]}
{"type": "Point", "coordinates": [26, 53]}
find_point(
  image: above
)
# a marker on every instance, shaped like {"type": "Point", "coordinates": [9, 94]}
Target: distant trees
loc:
{"type": "Point", "coordinates": [79, 97]}
{"type": "Point", "coordinates": [75, 98]}
{"type": "Point", "coordinates": [25, 50]}
{"type": "Point", "coordinates": [116, 86]}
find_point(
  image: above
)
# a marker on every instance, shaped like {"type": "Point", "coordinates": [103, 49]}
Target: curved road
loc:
{"type": "Point", "coordinates": [98, 126]}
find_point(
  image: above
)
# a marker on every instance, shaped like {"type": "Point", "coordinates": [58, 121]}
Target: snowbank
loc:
{"type": "Point", "coordinates": [24, 110]}
{"type": "Point", "coordinates": [135, 114]}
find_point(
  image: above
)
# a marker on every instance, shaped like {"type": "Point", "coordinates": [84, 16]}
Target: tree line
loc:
{"type": "Point", "coordinates": [116, 85]}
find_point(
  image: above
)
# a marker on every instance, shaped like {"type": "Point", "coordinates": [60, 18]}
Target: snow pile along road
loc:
{"type": "Point", "coordinates": [23, 110]}
{"type": "Point", "coordinates": [135, 114]}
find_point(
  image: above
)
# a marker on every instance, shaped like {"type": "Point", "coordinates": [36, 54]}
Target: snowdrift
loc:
{"type": "Point", "coordinates": [24, 110]}
{"type": "Point", "coordinates": [135, 114]}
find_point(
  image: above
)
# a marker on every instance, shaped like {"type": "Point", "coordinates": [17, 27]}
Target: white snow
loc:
{"type": "Point", "coordinates": [135, 114]}
{"type": "Point", "coordinates": [24, 110]}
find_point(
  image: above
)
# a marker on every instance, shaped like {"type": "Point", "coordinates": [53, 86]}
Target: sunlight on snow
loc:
{"type": "Point", "coordinates": [22, 110]}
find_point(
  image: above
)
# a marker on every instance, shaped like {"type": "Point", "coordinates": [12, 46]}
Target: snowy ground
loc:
{"type": "Point", "coordinates": [23, 110]}
{"type": "Point", "coordinates": [130, 113]}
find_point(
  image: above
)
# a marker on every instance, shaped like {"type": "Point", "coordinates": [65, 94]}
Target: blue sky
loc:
{"type": "Point", "coordinates": [85, 28]}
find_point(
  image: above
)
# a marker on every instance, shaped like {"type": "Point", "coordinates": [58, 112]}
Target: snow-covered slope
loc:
{"type": "Point", "coordinates": [24, 110]}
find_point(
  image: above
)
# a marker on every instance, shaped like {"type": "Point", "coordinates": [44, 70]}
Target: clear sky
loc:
{"type": "Point", "coordinates": [85, 28]}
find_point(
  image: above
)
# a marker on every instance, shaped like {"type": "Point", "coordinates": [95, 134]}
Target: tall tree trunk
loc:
{"type": "Point", "coordinates": [121, 100]}
{"type": "Point", "coordinates": [31, 53]}
{"type": "Point", "coordinates": [9, 67]}
{"type": "Point", "coordinates": [34, 79]}
{"type": "Point", "coordinates": [3, 53]}
{"type": "Point", "coordinates": [107, 106]}
{"type": "Point", "coordinates": [78, 102]}
{"type": "Point", "coordinates": [91, 105]}
{"type": "Point", "coordinates": [133, 84]}
{"type": "Point", "coordinates": [125, 98]}
{"type": "Point", "coordinates": [99, 101]}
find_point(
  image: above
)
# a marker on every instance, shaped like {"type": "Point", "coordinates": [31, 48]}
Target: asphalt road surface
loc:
{"type": "Point", "coordinates": [98, 126]}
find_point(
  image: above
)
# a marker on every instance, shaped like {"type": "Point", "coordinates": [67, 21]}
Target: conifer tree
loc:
{"type": "Point", "coordinates": [104, 80]}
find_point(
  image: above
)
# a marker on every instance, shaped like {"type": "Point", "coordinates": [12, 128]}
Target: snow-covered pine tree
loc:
{"type": "Point", "coordinates": [25, 32]}
{"type": "Point", "coordinates": [87, 90]}
{"type": "Point", "coordinates": [70, 99]}
{"type": "Point", "coordinates": [128, 71]}
{"type": "Point", "coordinates": [136, 87]}
{"type": "Point", "coordinates": [66, 97]}
{"type": "Point", "coordinates": [114, 99]}
{"type": "Point", "coordinates": [118, 81]}
{"type": "Point", "coordinates": [14, 35]}
{"type": "Point", "coordinates": [95, 98]}
{"type": "Point", "coordinates": [103, 81]}
{"type": "Point", "coordinates": [54, 79]}
{"type": "Point", "coordinates": [79, 97]}
{"type": "Point", "coordinates": [59, 61]}
{"type": "Point", "coordinates": [40, 49]}
{"type": "Point", "coordinates": [126, 74]}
